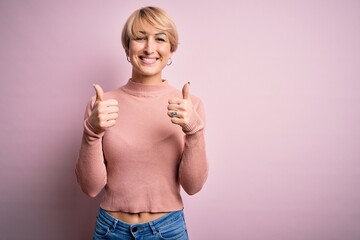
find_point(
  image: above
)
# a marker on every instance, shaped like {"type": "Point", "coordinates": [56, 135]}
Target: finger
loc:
{"type": "Point", "coordinates": [109, 123]}
{"type": "Point", "coordinates": [112, 116]}
{"type": "Point", "coordinates": [185, 90]}
{"type": "Point", "coordinates": [99, 92]}
{"type": "Point", "coordinates": [174, 107]}
{"type": "Point", "coordinates": [107, 106]}
{"type": "Point", "coordinates": [110, 102]}
{"type": "Point", "coordinates": [175, 114]}
{"type": "Point", "coordinates": [177, 107]}
{"type": "Point", "coordinates": [175, 100]}
{"type": "Point", "coordinates": [112, 110]}
{"type": "Point", "coordinates": [177, 121]}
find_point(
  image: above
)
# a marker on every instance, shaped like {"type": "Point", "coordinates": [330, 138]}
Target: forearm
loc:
{"type": "Point", "coordinates": [193, 170]}
{"type": "Point", "coordinates": [90, 168]}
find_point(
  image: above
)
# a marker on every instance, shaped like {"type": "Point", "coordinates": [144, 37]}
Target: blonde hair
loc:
{"type": "Point", "coordinates": [155, 16]}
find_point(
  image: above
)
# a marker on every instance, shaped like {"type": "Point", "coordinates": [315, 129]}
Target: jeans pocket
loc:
{"type": "Point", "coordinates": [175, 230]}
{"type": "Point", "coordinates": [101, 229]}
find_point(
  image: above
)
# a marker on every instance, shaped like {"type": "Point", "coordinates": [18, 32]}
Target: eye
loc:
{"type": "Point", "coordinates": [160, 39]}
{"type": "Point", "coordinates": [140, 38]}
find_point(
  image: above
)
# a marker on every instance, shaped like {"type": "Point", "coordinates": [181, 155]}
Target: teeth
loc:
{"type": "Point", "coordinates": [149, 60]}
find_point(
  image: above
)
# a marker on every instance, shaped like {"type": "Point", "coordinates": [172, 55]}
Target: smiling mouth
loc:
{"type": "Point", "coordinates": [148, 60]}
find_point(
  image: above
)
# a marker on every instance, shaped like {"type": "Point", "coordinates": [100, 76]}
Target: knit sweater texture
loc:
{"type": "Point", "coordinates": [142, 161]}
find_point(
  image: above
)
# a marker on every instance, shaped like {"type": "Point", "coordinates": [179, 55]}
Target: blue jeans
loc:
{"type": "Point", "coordinates": [169, 227]}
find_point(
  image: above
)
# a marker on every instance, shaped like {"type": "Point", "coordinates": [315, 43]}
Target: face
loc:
{"type": "Point", "coordinates": [149, 53]}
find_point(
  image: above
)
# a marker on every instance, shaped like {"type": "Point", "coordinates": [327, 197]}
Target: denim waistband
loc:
{"type": "Point", "coordinates": [151, 226]}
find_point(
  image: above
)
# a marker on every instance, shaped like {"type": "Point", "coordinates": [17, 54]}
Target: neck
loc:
{"type": "Point", "coordinates": [139, 78]}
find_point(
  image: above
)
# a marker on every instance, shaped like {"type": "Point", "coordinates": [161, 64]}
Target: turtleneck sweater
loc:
{"type": "Point", "coordinates": [142, 161]}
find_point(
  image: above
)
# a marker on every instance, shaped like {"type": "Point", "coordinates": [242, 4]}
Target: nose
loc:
{"type": "Point", "coordinates": [149, 46]}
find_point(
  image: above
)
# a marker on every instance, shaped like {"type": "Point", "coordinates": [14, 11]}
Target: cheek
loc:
{"type": "Point", "coordinates": [134, 47]}
{"type": "Point", "coordinates": [165, 51]}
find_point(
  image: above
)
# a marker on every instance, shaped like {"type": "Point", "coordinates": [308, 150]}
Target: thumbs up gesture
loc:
{"type": "Point", "coordinates": [181, 109]}
{"type": "Point", "coordinates": [104, 112]}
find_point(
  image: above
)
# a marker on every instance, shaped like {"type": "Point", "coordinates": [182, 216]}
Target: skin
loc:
{"type": "Point", "coordinates": [148, 55]}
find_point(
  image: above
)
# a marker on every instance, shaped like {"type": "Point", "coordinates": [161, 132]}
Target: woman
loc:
{"type": "Point", "coordinates": [143, 140]}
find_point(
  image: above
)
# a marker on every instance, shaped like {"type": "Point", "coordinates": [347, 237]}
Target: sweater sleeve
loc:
{"type": "Point", "coordinates": [193, 170]}
{"type": "Point", "coordinates": [90, 168]}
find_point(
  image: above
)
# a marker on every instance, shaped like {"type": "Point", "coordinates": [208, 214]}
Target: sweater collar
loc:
{"type": "Point", "coordinates": [145, 90]}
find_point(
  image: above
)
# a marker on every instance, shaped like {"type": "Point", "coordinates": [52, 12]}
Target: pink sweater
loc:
{"type": "Point", "coordinates": [142, 160]}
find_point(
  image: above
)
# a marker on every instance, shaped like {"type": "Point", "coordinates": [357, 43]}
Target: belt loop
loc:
{"type": "Point", "coordinates": [153, 229]}
{"type": "Point", "coordinates": [114, 224]}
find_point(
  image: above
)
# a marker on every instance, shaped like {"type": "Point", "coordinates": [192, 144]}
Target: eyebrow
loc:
{"type": "Point", "coordinates": [159, 33]}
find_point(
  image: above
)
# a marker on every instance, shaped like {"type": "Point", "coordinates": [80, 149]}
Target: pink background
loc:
{"type": "Point", "coordinates": [281, 84]}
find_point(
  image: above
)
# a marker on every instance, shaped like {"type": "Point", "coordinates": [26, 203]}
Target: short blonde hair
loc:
{"type": "Point", "coordinates": [155, 16]}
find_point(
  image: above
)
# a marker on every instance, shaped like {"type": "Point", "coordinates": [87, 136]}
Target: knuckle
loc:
{"type": "Point", "coordinates": [100, 104]}
{"type": "Point", "coordinates": [102, 118]}
{"type": "Point", "coordinates": [99, 111]}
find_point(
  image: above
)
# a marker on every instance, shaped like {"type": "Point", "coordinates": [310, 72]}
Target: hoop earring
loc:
{"type": "Point", "coordinates": [169, 63]}
{"type": "Point", "coordinates": [128, 58]}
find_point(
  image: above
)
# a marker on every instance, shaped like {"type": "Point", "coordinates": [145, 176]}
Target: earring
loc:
{"type": "Point", "coordinates": [169, 63]}
{"type": "Point", "coordinates": [128, 58]}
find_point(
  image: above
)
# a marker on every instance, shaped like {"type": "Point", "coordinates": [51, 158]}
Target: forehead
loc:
{"type": "Point", "coordinates": [144, 27]}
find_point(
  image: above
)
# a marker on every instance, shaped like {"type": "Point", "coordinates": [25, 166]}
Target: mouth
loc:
{"type": "Point", "coordinates": [148, 60]}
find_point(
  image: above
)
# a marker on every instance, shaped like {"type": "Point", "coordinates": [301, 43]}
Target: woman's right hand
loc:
{"type": "Point", "coordinates": [104, 112]}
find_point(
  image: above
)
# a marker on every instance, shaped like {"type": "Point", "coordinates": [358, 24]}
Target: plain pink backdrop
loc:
{"type": "Point", "coordinates": [281, 84]}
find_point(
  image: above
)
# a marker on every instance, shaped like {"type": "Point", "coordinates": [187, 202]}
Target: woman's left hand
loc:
{"type": "Point", "coordinates": [180, 110]}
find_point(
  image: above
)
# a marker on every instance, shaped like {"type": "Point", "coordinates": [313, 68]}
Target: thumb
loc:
{"type": "Point", "coordinates": [185, 90]}
{"type": "Point", "coordinates": [99, 92]}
